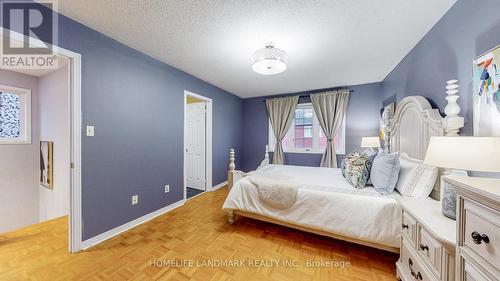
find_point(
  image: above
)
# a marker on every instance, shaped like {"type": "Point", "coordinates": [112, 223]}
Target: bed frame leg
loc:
{"type": "Point", "coordinates": [230, 217]}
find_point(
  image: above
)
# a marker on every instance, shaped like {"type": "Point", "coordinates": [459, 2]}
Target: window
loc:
{"type": "Point", "coordinates": [305, 134]}
{"type": "Point", "coordinates": [15, 115]}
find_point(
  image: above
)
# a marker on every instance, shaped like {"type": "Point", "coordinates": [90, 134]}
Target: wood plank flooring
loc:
{"type": "Point", "coordinates": [187, 244]}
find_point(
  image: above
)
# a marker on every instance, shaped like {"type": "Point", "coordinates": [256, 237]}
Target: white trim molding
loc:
{"type": "Point", "coordinates": [124, 227]}
{"type": "Point", "coordinates": [214, 188]}
{"type": "Point", "coordinates": [75, 218]}
{"type": "Point", "coordinates": [220, 185]}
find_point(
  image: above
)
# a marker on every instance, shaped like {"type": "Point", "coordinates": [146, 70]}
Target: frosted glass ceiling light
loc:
{"type": "Point", "coordinates": [269, 60]}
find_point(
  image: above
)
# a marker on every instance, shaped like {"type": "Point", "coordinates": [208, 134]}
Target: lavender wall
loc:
{"type": "Point", "coordinates": [20, 165]}
{"type": "Point", "coordinates": [136, 105]}
{"type": "Point", "coordinates": [54, 115]}
{"type": "Point", "coordinates": [363, 115]}
{"type": "Point", "coordinates": [467, 30]}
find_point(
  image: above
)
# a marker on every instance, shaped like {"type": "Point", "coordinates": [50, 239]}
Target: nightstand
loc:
{"type": "Point", "coordinates": [478, 227]}
{"type": "Point", "coordinates": [427, 242]}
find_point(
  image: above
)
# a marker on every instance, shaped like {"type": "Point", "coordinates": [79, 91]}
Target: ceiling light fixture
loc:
{"type": "Point", "coordinates": [269, 60]}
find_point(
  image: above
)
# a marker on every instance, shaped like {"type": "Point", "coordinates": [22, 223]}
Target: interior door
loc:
{"type": "Point", "coordinates": [195, 146]}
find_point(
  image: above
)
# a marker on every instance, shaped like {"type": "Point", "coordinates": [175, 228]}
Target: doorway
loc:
{"type": "Point", "coordinates": [72, 170]}
{"type": "Point", "coordinates": [197, 144]}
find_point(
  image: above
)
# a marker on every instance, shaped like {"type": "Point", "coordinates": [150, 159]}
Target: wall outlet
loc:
{"type": "Point", "coordinates": [135, 199]}
{"type": "Point", "coordinates": [90, 131]}
{"type": "Point", "coordinates": [167, 188]}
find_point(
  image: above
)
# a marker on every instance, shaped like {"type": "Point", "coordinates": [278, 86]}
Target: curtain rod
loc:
{"type": "Point", "coordinates": [306, 96]}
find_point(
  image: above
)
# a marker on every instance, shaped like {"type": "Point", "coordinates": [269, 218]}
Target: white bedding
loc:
{"type": "Point", "coordinates": [325, 201]}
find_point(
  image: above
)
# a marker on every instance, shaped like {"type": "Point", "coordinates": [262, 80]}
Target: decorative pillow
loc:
{"type": "Point", "coordinates": [356, 169]}
{"type": "Point", "coordinates": [385, 171]}
{"type": "Point", "coordinates": [415, 178]}
{"type": "Point", "coordinates": [371, 154]}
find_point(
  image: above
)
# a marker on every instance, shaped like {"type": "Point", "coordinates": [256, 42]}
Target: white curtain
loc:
{"type": "Point", "coordinates": [281, 112]}
{"type": "Point", "coordinates": [330, 108]}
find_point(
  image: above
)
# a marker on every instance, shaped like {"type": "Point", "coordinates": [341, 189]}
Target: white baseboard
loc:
{"type": "Point", "coordinates": [124, 227]}
{"type": "Point", "coordinates": [222, 184]}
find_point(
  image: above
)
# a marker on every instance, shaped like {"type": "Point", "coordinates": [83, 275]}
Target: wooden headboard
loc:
{"type": "Point", "coordinates": [411, 128]}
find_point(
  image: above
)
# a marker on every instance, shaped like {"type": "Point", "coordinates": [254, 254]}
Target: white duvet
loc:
{"type": "Point", "coordinates": [325, 201]}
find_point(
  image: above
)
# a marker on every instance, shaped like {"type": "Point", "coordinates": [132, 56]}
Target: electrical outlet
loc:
{"type": "Point", "coordinates": [90, 131]}
{"type": "Point", "coordinates": [135, 199]}
{"type": "Point", "coordinates": [167, 188]}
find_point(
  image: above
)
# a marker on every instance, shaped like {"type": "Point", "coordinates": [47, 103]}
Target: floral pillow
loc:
{"type": "Point", "coordinates": [356, 169]}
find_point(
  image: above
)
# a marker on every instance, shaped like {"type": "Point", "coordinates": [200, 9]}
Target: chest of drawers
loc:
{"type": "Point", "coordinates": [478, 227]}
{"type": "Point", "coordinates": [427, 242]}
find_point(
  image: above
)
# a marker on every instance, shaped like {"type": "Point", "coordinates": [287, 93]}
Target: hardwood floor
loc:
{"type": "Point", "coordinates": [190, 238]}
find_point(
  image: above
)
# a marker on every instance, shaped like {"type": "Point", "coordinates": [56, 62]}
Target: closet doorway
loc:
{"type": "Point", "coordinates": [197, 144]}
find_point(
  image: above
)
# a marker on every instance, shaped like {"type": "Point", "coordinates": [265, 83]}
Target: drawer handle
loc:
{"type": "Point", "coordinates": [404, 226]}
{"type": "Point", "coordinates": [417, 275]}
{"type": "Point", "coordinates": [424, 247]}
{"type": "Point", "coordinates": [479, 238]}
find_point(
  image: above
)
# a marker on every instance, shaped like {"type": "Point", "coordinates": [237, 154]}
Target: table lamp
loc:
{"type": "Point", "coordinates": [481, 154]}
{"type": "Point", "coordinates": [370, 142]}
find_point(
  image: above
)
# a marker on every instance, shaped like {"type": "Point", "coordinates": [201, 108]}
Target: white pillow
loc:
{"type": "Point", "coordinates": [415, 178]}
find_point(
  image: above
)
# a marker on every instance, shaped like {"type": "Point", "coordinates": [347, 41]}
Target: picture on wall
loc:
{"type": "Point", "coordinates": [47, 164]}
{"type": "Point", "coordinates": [486, 93]}
{"type": "Point", "coordinates": [386, 115]}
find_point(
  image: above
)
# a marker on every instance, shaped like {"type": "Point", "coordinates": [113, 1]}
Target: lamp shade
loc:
{"type": "Point", "coordinates": [370, 142]}
{"type": "Point", "coordinates": [481, 154]}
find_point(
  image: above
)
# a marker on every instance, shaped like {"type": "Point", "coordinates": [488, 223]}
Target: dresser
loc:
{"type": "Point", "coordinates": [427, 242]}
{"type": "Point", "coordinates": [478, 227]}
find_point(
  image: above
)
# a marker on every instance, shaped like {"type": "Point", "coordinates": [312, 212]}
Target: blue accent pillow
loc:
{"type": "Point", "coordinates": [385, 172]}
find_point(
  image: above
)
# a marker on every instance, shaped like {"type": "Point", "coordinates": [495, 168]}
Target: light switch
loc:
{"type": "Point", "coordinates": [90, 131]}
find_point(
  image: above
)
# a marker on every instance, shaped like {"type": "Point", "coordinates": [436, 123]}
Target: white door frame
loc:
{"type": "Point", "coordinates": [208, 150]}
{"type": "Point", "coordinates": [75, 62]}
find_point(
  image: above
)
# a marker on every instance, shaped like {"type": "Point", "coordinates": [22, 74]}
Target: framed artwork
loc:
{"type": "Point", "coordinates": [486, 93]}
{"type": "Point", "coordinates": [386, 115]}
{"type": "Point", "coordinates": [47, 164]}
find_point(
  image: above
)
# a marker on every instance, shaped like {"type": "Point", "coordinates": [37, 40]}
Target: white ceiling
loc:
{"type": "Point", "coordinates": [329, 43]}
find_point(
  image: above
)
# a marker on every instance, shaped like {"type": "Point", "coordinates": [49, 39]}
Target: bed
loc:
{"type": "Point", "coordinates": [326, 204]}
